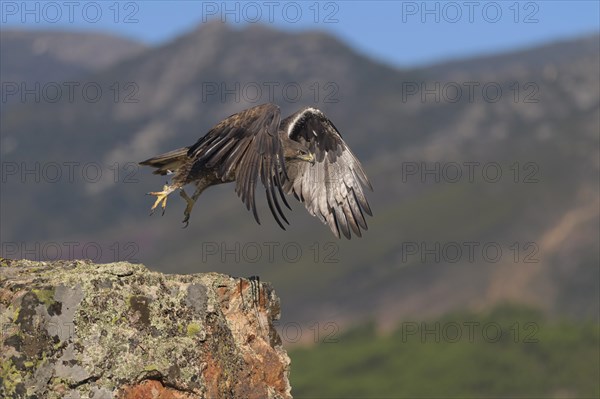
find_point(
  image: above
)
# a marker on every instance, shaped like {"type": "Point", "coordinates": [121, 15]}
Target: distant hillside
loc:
{"type": "Point", "coordinates": [534, 357]}
{"type": "Point", "coordinates": [557, 53]}
{"type": "Point", "coordinates": [542, 132]}
{"type": "Point", "coordinates": [51, 56]}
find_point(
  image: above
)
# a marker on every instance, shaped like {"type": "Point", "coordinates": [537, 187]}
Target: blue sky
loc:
{"type": "Point", "coordinates": [403, 33]}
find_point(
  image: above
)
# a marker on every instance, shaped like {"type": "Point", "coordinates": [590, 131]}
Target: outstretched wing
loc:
{"type": "Point", "coordinates": [332, 188]}
{"type": "Point", "coordinates": [246, 146]}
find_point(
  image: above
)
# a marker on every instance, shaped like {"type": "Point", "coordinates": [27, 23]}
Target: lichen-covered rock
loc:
{"type": "Point", "coordinates": [74, 329]}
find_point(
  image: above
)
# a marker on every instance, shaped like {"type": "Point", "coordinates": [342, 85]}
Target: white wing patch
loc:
{"type": "Point", "coordinates": [300, 116]}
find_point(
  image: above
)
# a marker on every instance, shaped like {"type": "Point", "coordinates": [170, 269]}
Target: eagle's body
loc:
{"type": "Point", "coordinates": [303, 154]}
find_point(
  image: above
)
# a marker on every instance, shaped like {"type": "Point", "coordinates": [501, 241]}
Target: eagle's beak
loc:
{"type": "Point", "coordinates": [308, 158]}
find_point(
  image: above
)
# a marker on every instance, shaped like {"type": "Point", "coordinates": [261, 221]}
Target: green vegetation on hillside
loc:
{"type": "Point", "coordinates": [511, 351]}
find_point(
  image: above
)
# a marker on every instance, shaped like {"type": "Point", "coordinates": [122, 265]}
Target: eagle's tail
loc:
{"type": "Point", "coordinates": [168, 162]}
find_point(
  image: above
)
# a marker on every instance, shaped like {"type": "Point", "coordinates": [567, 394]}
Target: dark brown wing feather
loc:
{"type": "Point", "coordinates": [246, 146]}
{"type": "Point", "coordinates": [168, 162]}
{"type": "Point", "coordinates": [332, 188]}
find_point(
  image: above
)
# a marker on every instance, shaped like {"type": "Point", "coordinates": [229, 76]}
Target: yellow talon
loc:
{"type": "Point", "coordinates": [161, 198]}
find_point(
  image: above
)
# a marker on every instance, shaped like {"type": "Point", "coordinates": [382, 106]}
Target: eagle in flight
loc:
{"type": "Point", "coordinates": [303, 154]}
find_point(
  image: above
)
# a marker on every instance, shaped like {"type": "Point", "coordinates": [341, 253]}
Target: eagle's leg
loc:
{"type": "Point", "coordinates": [161, 197]}
{"type": "Point", "coordinates": [190, 203]}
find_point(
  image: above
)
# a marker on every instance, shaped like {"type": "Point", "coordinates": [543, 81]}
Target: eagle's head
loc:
{"type": "Point", "coordinates": [293, 150]}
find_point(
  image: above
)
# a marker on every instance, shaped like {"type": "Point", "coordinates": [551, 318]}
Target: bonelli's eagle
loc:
{"type": "Point", "coordinates": [303, 154]}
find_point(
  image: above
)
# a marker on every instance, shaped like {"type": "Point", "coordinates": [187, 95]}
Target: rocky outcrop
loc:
{"type": "Point", "coordinates": [75, 329]}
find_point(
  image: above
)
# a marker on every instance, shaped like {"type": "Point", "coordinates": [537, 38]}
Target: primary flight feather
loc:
{"type": "Point", "coordinates": [303, 154]}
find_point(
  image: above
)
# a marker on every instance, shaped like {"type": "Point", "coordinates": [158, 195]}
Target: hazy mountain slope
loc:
{"type": "Point", "coordinates": [559, 52]}
{"type": "Point", "coordinates": [551, 140]}
{"type": "Point", "coordinates": [52, 56]}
